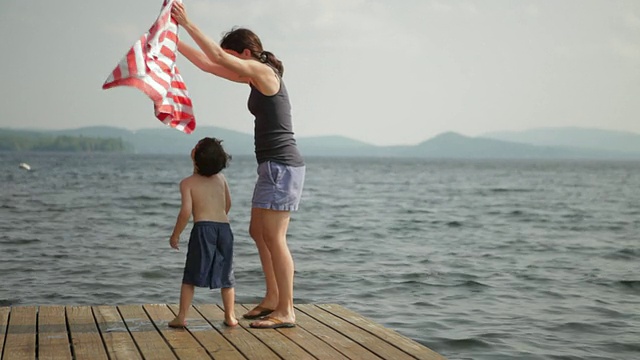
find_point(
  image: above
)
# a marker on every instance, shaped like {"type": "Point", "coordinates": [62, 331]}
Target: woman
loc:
{"type": "Point", "coordinates": [281, 169]}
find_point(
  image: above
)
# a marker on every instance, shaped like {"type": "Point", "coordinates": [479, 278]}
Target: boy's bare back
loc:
{"type": "Point", "coordinates": [209, 197]}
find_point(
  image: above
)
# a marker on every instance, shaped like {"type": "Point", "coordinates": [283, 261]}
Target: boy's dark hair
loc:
{"type": "Point", "coordinates": [210, 157]}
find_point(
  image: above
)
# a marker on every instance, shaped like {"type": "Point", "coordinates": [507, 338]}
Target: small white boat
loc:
{"type": "Point", "coordinates": [25, 166]}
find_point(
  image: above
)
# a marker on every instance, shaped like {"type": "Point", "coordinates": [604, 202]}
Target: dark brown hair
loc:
{"type": "Point", "coordinates": [239, 39]}
{"type": "Point", "coordinates": [210, 157]}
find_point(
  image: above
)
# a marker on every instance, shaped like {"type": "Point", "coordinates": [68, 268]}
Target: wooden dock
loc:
{"type": "Point", "coordinates": [129, 332]}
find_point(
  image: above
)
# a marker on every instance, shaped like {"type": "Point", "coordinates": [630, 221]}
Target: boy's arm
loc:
{"type": "Point", "coordinates": [184, 215]}
{"type": "Point", "coordinates": [227, 197]}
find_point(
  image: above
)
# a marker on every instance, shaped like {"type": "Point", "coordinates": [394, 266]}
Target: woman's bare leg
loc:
{"type": "Point", "coordinates": [270, 299]}
{"type": "Point", "coordinates": [274, 234]}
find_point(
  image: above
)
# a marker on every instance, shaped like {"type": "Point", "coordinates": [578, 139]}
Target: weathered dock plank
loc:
{"type": "Point", "coordinates": [405, 344]}
{"type": "Point", "coordinates": [211, 339]}
{"type": "Point", "coordinates": [323, 332]}
{"type": "Point", "coordinates": [307, 340]}
{"type": "Point", "coordinates": [345, 346]}
{"type": "Point", "coordinates": [4, 322]}
{"type": "Point", "coordinates": [53, 337]}
{"type": "Point", "coordinates": [372, 343]}
{"type": "Point", "coordinates": [144, 333]}
{"type": "Point", "coordinates": [86, 341]}
{"type": "Point", "coordinates": [181, 341]}
{"type": "Point", "coordinates": [116, 336]}
{"type": "Point", "coordinates": [278, 342]}
{"type": "Point", "coordinates": [20, 341]}
{"type": "Point", "coordinates": [242, 339]}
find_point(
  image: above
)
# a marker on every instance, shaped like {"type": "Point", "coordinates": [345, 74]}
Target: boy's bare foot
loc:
{"type": "Point", "coordinates": [177, 323]}
{"type": "Point", "coordinates": [230, 321]}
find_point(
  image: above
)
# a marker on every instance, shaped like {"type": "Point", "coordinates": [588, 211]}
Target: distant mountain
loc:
{"type": "Point", "coordinates": [335, 146]}
{"type": "Point", "coordinates": [453, 145]}
{"type": "Point", "coordinates": [574, 137]}
{"type": "Point", "coordinates": [164, 140]}
{"type": "Point", "coordinates": [93, 131]}
{"type": "Point", "coordinates": [25, 140]}
{"type": "Point", "coordinates": [561, 143]}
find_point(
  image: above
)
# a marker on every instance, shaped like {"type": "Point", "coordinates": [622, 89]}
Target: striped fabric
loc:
{"type": "Point", "coordinates": [150, 66]}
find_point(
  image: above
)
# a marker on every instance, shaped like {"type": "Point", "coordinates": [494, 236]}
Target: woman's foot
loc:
{"type": "Point", "coordinates": [177, 323]}
{"type": "Point", "coordinates": [257, 312]}
{"type": "Point", "coordinates": [272, 322]}
{"type": "Point", "coordinates": [276, 319]}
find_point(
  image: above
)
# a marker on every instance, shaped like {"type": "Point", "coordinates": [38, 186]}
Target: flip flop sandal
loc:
{"type": "Point", "coordinates": [263, 312]}
{"type": "Point", "coordinates": [275, 324]}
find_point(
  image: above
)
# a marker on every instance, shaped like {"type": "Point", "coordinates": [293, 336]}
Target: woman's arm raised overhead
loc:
{"type": "Point", "coordinates": [200, 60]}
{"type": "Point", "coordinates": [240, 70]}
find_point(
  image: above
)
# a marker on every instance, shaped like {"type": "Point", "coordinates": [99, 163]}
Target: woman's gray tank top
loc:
{"type": "Point", "coordinates": [273, 132]}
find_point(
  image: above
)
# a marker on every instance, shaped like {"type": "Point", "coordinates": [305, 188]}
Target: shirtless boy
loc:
{"type": "Point", "coordinates": [206, 196]}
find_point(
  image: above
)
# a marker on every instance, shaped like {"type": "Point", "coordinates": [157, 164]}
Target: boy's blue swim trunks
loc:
{"type": "Point", "coordinates": [210, 256]}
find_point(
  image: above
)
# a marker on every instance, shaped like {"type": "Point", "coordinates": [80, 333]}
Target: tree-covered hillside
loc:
{"type": "Point", "coordinates": [24, 141]}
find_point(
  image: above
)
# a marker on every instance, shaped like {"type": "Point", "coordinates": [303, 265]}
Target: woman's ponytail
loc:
{"type": "Point", "coordinates": [239, 39]}
{"type": "Point", "coordinates": [267, 57]}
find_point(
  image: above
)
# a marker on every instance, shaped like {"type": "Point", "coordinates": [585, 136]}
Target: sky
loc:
{"type": "Point", "coordinates": [386, 72]}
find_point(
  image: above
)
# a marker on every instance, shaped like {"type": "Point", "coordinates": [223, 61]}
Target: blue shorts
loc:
{"type": "Point", "coordinates": [210, 256]}
{"type": "Point", "coordinates": [279, 187]}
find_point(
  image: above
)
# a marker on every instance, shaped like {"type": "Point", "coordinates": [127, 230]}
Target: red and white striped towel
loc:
{"type": "Point", "coordinates": [150, 66]}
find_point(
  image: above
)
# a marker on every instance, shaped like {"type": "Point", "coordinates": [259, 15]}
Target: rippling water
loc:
{"type": "Point", "coordinates": [474, 259]}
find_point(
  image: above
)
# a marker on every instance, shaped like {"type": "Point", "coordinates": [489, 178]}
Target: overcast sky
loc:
{"type": "Point", "coordinates": [381, 71]}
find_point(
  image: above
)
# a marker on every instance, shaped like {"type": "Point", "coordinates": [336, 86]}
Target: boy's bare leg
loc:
{"type": "Point", "coordinates": [228, 300]}
{"type": "Point", "coordinates": [186, 296]}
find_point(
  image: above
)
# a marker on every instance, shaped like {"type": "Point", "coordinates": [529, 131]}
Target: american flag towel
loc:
{"type": "Point", "coordinates": [150, 66]}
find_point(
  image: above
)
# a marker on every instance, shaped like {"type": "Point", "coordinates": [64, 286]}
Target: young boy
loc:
{"type": "Point", "coordinates": [205, 194]}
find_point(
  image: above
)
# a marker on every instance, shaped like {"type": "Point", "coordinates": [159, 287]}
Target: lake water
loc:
{"type": "Point", "coordinates": [474, 259]}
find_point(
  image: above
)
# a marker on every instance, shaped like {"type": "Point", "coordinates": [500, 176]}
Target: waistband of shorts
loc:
{"type": "Point", "coordinates": [207, 222]}
{"type": "Point", "coordinates": [281, 163]}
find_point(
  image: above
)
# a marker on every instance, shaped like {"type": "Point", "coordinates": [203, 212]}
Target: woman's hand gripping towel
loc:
{"type": "Point", "coordinates": [150, 66]}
